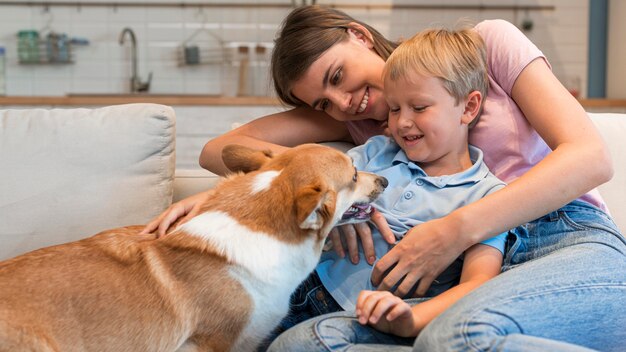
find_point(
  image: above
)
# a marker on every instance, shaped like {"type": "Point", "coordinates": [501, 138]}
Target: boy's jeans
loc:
{"type": "Point", "coordinates": [311, 299]}
{"type": "Point", "coordinates": [570, 292]}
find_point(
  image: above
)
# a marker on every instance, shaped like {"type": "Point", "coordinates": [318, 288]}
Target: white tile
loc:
{"type": "Point", "coordinates": [560, 33]}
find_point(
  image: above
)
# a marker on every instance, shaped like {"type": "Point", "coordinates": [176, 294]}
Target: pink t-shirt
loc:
{"type": "Point", "coordinates": [510, 144]}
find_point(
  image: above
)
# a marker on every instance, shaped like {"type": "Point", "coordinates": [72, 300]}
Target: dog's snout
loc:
{"type": "Point", "coordinates": [381, 181]}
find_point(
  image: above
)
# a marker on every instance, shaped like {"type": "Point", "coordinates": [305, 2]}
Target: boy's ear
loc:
{"type": "Point", "coordinates": [472, 107]}
{"type": "Point", "coordinates": [361, 33]}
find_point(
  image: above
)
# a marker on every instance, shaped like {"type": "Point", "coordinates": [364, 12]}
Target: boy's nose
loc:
{"type": "Point", "coordinates": [404, 121]}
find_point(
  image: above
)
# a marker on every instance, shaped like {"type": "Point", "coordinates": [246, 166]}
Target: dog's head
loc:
{"type": "Point", "coordinates": [312, 184]}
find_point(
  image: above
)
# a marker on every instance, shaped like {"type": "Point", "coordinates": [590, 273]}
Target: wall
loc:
{"type": "Point", "coordinates": [616, 47]}
{"type": "Point", "coordinates": [104, 65]}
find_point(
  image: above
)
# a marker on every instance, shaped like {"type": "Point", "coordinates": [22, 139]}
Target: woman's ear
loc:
{"type": "Point", "coordinates": [361, 33]}
{"type": "Point", "coordinates": [472, 107]}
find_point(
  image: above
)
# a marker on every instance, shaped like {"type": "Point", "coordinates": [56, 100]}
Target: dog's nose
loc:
{"type": "Point", "coordinates": [382, 181]}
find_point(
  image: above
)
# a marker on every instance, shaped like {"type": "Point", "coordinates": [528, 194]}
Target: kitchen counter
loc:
{"type": "Point", "coordinates": [198, 100]}
{"type": "Point", "coordinates": [113, 99]}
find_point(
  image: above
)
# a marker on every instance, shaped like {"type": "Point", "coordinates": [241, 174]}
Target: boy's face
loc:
{"type": "Point", "coordinates": [426, 122]}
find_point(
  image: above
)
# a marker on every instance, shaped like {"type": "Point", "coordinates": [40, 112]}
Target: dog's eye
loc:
{"type": "Point", "coordinates": [354, 178]}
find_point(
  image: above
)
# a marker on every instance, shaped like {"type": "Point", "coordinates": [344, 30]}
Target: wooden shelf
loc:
{"type": "Point", "coordinates": [603, 103]}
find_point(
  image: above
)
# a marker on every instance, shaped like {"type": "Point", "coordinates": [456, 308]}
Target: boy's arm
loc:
{"type": "Point", "coordinates": [481, 263]}
{"type": "Point", "coordinates": [390, 314]}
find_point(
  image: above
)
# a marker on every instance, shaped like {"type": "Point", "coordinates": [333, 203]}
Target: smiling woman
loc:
{"type": "Point", "coordinates": [345, 81]}
{"type": "Point", "coordinates": [327, 65]}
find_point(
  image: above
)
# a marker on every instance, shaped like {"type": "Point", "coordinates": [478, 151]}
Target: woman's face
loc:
{"type": "Point", "coordinates": [346, 81]}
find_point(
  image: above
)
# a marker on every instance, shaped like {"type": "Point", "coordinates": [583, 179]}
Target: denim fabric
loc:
{"type": "Point", "coordinates": [340, 331]}
{"type": "Point", "coordinates": [309, 300]}
{"type": "Point", "coordinates": [563, 288]}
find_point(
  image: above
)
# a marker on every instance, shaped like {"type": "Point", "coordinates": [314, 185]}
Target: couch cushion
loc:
{"type": "Point", "coordinates": [613, 128]}
{"type": "Point", "coordinates": [70, 173]}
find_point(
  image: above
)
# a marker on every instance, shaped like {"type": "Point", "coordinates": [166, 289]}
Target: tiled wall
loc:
{"type": "Point", "coordinates": [104, 65]}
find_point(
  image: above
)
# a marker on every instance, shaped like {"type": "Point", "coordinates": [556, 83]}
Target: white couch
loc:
{"type": "Point", "coordinates": [70, 173]}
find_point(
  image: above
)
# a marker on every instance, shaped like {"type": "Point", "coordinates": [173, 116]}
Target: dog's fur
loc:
{"type": "Point", "coordinates": [219, 282]}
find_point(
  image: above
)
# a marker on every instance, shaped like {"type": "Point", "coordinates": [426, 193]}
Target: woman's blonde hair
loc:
{"type": "Point", "coordinates": [457, 57]}
{"type": "Point", "coordinates": [306, 33]}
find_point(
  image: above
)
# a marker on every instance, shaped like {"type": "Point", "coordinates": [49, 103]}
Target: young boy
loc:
{"type": "Point", "coordinates": [434, 84]}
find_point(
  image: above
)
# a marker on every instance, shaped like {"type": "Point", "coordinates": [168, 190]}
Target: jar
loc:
{"type": "Point", "coordinates": [28, 46]}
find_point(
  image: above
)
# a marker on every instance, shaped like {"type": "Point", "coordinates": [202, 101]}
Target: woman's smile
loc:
{"type": "Point", "coordinates": [363, 104]}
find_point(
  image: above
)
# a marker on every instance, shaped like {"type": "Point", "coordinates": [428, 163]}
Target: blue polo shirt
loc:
{"type": "Point", "coordinates": [411, 198]}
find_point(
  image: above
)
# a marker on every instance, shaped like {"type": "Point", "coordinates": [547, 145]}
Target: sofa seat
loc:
{"type": "Point", "coordinates": [70, 173]}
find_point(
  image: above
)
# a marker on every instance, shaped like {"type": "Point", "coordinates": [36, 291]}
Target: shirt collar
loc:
{"type": "Point", "coordinates": [474, 174]}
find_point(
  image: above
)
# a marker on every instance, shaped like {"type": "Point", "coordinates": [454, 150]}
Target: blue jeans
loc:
{"type": "Point", "coordinates": [311, 299]}
{"type": "Point", "coordinates": [563, 288]}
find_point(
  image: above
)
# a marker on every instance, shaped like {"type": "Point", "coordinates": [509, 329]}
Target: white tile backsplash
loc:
{"type": "Point", "coordinates": [104, 65]}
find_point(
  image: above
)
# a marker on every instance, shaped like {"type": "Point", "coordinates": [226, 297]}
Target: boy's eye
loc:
{"type": "Point", "coordinates": [419, 108]}
{"type": "Point", "coordinates": [393, 110]}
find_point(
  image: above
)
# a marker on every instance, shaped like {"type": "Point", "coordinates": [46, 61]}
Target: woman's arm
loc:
{"type": "Point", "coordinates": [276, 132]}
{"type": "Point", "coordinates": [579, 162]}
{"type": "Point", "coordinates": [480, 264]}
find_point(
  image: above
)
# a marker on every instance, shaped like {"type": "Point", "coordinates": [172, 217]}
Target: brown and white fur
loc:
{"type": "Point", "coordinates": [218, 282]}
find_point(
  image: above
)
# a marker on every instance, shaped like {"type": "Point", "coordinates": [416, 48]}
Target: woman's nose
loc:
{"type": "Point", "coordinates": [342, 100]}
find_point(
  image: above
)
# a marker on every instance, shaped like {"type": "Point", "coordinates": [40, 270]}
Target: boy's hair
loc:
{"type": "Point", "coordinates": [306, 33]}
{"type": "Point", "coordinates": [457, 57]}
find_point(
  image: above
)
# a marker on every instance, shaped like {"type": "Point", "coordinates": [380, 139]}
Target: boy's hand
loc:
{"type": "Point", "coordinates": [360, 230]}
{"type": "Point", "coordinates": [386, 313]}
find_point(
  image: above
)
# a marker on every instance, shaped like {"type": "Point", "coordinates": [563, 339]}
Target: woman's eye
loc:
{"type": "Point", "coordinates": [336, 77]}
{"type": "Point", "coordinates": [324, 105]}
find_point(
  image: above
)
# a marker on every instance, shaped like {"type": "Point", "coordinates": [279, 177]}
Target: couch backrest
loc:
{"type": "Point", "coordinates": [70, 173]}
{"type": "Point", "coordinates": [612, 126]}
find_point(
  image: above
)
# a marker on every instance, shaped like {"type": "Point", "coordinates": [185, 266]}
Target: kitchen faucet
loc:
{"type": "Point", "coordinates": [135, 83]}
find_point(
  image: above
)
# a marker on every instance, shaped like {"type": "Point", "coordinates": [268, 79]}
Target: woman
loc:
{"type": "Point", "coordinates": [564, 281]}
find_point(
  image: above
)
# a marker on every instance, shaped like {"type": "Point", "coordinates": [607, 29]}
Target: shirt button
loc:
{"type": "Point", "coordinates": [408, 195]}
{"type": "Point", "coordinates": [419, 182]}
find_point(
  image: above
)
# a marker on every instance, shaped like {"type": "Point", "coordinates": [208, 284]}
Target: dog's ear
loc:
{"type": "Point", "coordinates": [240, 158]}
{"type": "Point", "coordinates": [314, 206]}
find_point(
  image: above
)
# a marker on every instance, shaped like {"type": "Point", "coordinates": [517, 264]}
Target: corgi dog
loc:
{"type": "Point", "coordinates": [219, 282]}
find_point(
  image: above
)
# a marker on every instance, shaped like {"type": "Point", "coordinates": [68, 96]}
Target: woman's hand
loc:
{"type": "Point", "coordinates": [362, 231]}
{"type": "Point", "coordinates": [182, 210]}
{"type": "Point", "coordinates": [386, 313]}
{"type": "Point", "coordinates": [424, 252]}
